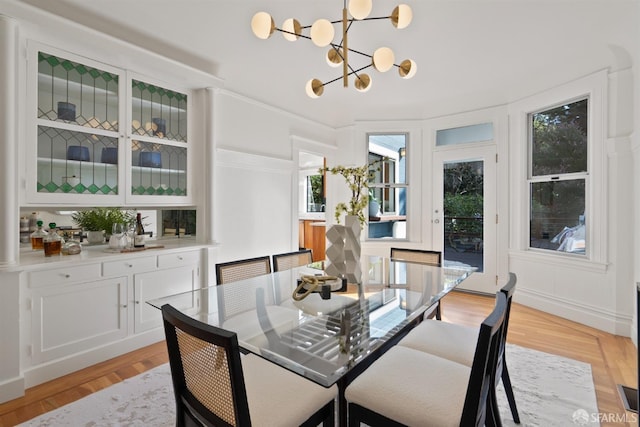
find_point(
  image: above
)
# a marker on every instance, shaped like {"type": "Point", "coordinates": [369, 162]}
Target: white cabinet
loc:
{"type": "Point", "coordinates": [71, 318]}
{"type": "Point", "coordinates": [80, 313]}
{"type": "Point", "coordinates": [158, 284]}
{"type": "Point", "coordinates": [103, 133]}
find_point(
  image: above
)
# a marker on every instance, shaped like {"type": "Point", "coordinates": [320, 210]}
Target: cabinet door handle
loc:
{"type": "Point", "coordinates": [66, 276]}
{"type": "Point", "coordinates": [129, 265]}
{"type": "Point", "coordinates": [137, 302]}
{"type": "Point", "coordinates": [180, 258]}
{"type": "Point", "coordinates": [124, 305]}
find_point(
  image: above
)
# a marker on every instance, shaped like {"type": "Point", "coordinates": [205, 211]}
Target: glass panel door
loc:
{"type": "Point", "coordinates": [464, 224]}
{"type": "Point", "coordinates": [78, 111]}
{"type": "Point", "coordinates": [159, 141]}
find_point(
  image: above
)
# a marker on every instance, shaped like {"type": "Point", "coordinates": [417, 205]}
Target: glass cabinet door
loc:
{"type": "Point", "coordinates": [77, 132]}
{"type": "Point", "coordinates": [158, 141]}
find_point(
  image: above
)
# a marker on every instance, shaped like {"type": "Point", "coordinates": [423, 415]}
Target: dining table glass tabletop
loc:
{"type": "Point", "coordinates": [316, 326]}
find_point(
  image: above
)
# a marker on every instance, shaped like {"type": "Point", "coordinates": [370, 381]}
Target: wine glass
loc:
{"type": "Point", "coordinates": [117, 232]}
{"type": "Point", "coordinates": [130, 231]}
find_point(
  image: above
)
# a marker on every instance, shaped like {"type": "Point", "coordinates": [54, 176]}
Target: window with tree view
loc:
{"type": "Point", "coordinates": [388, 185]}
{"type": "Point", "coordinates": [558, 178]}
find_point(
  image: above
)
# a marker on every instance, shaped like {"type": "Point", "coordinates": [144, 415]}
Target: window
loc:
{"type": "Point", "coordinates": [388, 188]}
{"type": "Point", "coordinates": [315, 191]}
{"type": "Point", "coordinates": [558, 174]}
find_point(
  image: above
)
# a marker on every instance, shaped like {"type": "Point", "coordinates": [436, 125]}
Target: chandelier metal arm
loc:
{"type": "Point", "coordinates": [349, 74]}
{"type": "Point", "coordinates": [322, 32]}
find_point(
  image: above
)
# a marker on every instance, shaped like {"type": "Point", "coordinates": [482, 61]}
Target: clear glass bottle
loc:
{"type": "Point", "coordinates": [53, 241]}
{"type": "Point", "coordinates": [70, 245]}
{"type": "Point", "coordinates": [37, 237]}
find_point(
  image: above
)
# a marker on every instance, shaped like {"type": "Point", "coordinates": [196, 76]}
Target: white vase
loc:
{"type": "Point", "coordinates": [95, 237]}
{"type": "Point", "coordinates": [352, 249]}
{"type": "Point", "coordinates": [334, 253]}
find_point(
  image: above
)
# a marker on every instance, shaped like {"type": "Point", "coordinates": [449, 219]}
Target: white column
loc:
{"type": "Point", "coordinates": [9, 214]}
{"type": "Point", "coordinates": [209, 167]}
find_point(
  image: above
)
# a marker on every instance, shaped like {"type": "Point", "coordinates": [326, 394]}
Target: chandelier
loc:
{"type": "Point", "coordinates": [322, 34]}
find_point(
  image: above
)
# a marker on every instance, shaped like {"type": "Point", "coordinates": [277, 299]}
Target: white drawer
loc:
{"type": "Point", "coordinates": [56, 276]}
{"type": "Point", "coordinates": [178, 259]}
{"type": "Point", "coordinates": [125, 266]}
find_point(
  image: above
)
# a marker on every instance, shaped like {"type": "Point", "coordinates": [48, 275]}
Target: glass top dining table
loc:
{"type": "Point", "coordinates": [321, 339]}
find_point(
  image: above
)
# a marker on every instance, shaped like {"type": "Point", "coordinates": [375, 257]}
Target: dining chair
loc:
{"type": "Point", "coordinates": [290, 260]}
{"type": "Point", "coordinates": [421, 256]}
{"type": "Point", "coordinates": [456, 342]}
{"type": "Point", "coordinates": [214, 385]}
{"type": "Point", "coordinates": [242, 269]}
{"type": "Point", "coordinates": [408, 387]}
{"type": "Point", "coordinates": [417, 255]}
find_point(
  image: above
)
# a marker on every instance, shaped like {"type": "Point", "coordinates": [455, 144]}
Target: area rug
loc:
{"type": "Point", "coordinates": [549, 391]}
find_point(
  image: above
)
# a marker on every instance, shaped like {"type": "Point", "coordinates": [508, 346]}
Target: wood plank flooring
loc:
{"type": "Point", "coordinates": [612, 358]}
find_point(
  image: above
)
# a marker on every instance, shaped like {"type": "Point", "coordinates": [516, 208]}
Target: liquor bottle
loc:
{"type": "Point", "coordinates": [37, 237]}
{"type": "Point", "coordinates": [53, 241]}
{"type": "Point", "coordinates": [138, 239]}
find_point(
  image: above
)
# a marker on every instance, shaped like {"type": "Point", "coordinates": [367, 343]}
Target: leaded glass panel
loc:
{"type": "Point", "coordinates": [75, 93]}
{"type": "Point", "coordinates": [158, 112]}
{"type": "Point", "coordinates": [75, 162]}
{"type": "Point", "coordinates": [158, 169]}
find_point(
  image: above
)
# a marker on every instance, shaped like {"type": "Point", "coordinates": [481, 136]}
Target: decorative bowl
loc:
{"type": "Point", "coordinates": [109, 155]}
{"type": "Point", "coordinates": [151, 159]}
{"type": "Point", "coordinates": [66, 111]}
{"type": "Point", "coordinates": [78, 152]}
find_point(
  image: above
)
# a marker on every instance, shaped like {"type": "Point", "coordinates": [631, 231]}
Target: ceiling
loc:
{"type": "Point", "coordinates": [470, 54]}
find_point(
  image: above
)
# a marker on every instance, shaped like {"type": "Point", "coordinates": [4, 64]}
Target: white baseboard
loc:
{"type": "Point", "coordinates": [592, 316]}
{"type": "Point", "coordinates": [11, 389]}
{"type": "Point", "coordinates": [63, 366]}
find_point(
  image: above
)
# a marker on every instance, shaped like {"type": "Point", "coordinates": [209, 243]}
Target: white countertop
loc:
{"type": "Point", "coordinates": [30, 259]}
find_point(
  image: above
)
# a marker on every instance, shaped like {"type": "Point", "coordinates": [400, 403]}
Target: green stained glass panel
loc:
{"type": "Point", "coordinates": [77, 93]}
{"type": "Point", "coordinates": [158, 112]}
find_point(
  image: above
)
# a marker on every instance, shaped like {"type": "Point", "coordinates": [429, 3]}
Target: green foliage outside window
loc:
{"type": "Point", "coordinates": [463, 199]}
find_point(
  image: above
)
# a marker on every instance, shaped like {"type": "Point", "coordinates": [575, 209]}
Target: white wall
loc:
{"type": "Point", "coordinates": [255, 202]}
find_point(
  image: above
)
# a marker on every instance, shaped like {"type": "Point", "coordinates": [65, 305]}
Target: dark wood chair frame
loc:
{"type": "Point", "coordinates": [501, 371]}
{"type": "Point", "coordinates": [221, 266]}
{"type": "Point", "coordinates": [438, 311]}
{"type": "Point", "coordinates": [478, 409]}
{"type": "Point", "coordinates": [189, 410]}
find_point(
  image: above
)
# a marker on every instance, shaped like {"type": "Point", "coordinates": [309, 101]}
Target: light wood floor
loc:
{"type": "Point", "coordinates": [612, 358]}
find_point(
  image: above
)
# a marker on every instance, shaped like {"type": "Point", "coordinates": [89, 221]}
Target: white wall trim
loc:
{"type": "Point", "coordinates": [590, 315]}
{"type": "Point", "coordinates": [559, 260]}
{"type": "Point", "coordinates": [59, 367]}
{"type": "Point", "coordinates": [12, 389]}
{"type": "Point", "coordinates": [245, 160]}
{"type": "Point", "coordinates": [274, 109]}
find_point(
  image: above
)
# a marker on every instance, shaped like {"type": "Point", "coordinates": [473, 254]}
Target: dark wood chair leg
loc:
{"type": "Point", "coordinates": [506, 381]}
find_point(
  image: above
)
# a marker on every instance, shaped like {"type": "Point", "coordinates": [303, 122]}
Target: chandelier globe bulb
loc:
{"type": "Point", "coordinates": [363, 83]}
{"type": "Point", "coordinates": [322, 33]}
{"type": "Point", "coordinates": [383, 59]}
{"type": "Point", "coordinates": [262, 25]}
{"type": "Point", "coordinates": [407, 69]}
{"type": "Point", "coordinates": [314, 88]}
{"type": "Point", "coordinates": [291, 29]}
{"type": "Point", "coordinates": [360, 9]}
{"type": "Point", "coordinates": [401, 16]}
